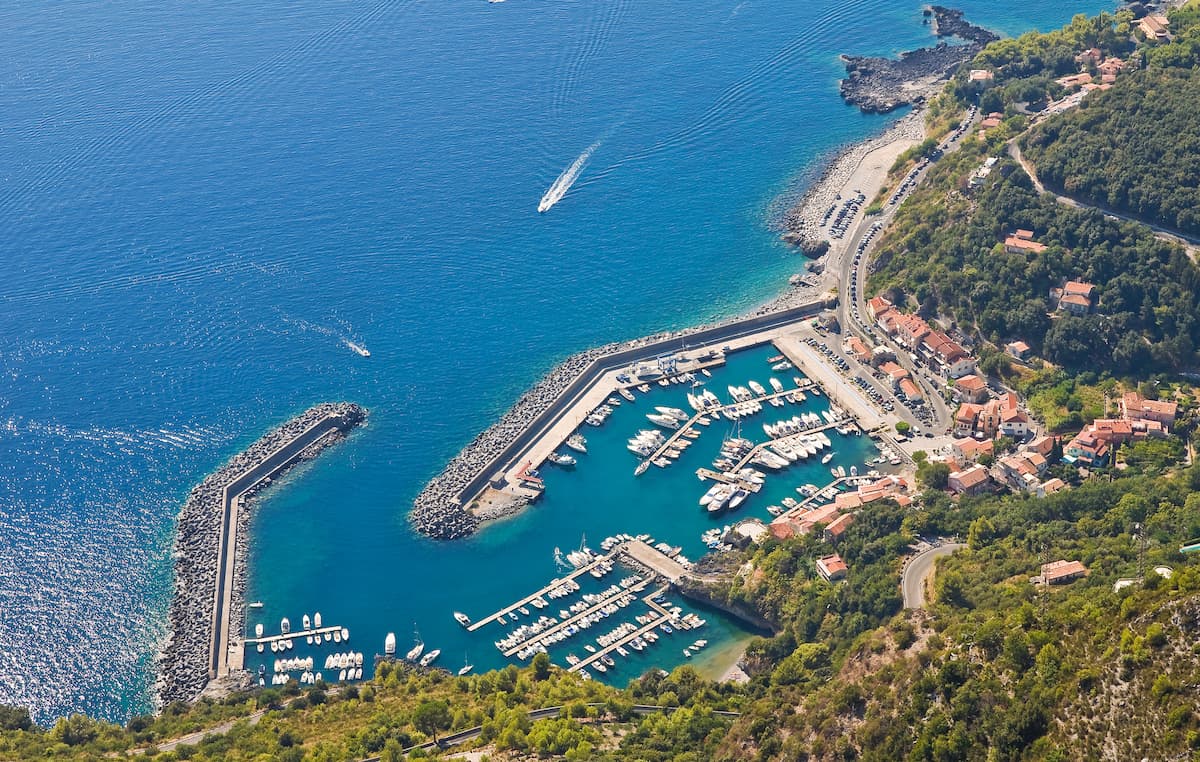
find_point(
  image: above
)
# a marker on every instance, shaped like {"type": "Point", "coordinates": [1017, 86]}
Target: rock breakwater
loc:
{"type": "Point", "coordinates": [439, 511]}
{"type": "Point", "coordinates": [187, 662]}
{"type": "Point", "coordinates": [881, 85]}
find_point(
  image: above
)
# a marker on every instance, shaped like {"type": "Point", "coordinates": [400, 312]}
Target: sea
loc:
{"type": "Point", "coordinates": [204, 202]}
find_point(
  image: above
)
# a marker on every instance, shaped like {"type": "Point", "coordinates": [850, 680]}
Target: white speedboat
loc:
{"type": "Point", "coordinates": [641, 469]}
{"type": "Point", "coordinates": [389, 644]}
{"type": "Point", "coordinates": [462, 618]}
{"type": "Point", "coordinates": [430, 657]}
{"type": "Point", "coordinates": [285, 626]}
{"type": "Point", "coordinates": [828, 457]}
{"type": "Point", "coordinates": [757, 388]}
{"type": "Point", "coordinates": [307, 622]}
{"type": "Point", "coordinates": [258, 630]}
{"type": "Point", "coordinates": [561, 459]}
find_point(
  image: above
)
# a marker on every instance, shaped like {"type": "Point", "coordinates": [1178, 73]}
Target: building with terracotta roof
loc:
{"type": "Point", "coordinates": [1075, 297]}
{"type": "Point", "coordinates": [910, 391]}
{"type": "Point", "coordinates": [991, 120]}
{"type": "Point", "coordinates": [838, 527]}
{"type": "Point", "coordinates": [1021, 242]}
{"type": "Point", "coordinates": [910, 329]}
{"type": "Point", "coordinates": [1018, 350]}
{"type": "Point", "coordinates": [970, 450]}
{"type": "Point", "coordinates": [965, 418]}
{"type": "Point", "coordinates": [1050, 486]}
{"type": "Point", "coordinates": [1135, 407]}
{"type": "Point", "coordinates": [1087, 449]}
{"type": "Point", "coordinates": [1060, 572]}
{"type": "Point", "coordinates": [858, 349]}
{"type": "Point", "coordinates": [1089, 57]}
{"type": "Point", "coordinates": [973, 481]}
{"type": "Point", "coordinates": [832, 568]}
{"type": "Point", "coordinates": [980, 77]}
{"type": "Point", "coordinates": [945, 355]}
{"type": "Point", "coordinates": [878, 305]}
{"type": "Point", "coordinates": [894, 372]}
{"type": "Point", "coordinates": [971, 388]}
{"type": "Point", "coordinates": [1155, 27]}
{"type": "Point", "coordinates": [1043, 445]}
{"type": "Point", "coordinates": [1075, 80]}
{"type": "Point", "coordinates": [1111, 67]}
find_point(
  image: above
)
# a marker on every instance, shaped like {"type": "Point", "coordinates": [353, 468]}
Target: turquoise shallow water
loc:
{"type": "Point", "coordinates": [202, 200]}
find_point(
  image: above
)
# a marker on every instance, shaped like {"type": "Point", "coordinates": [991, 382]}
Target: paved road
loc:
{"type": "Point", "coordinates": [912, 583]}
{"type": "Point", "coordinates": [851, 271]}
{"type": "Point", "coordinates": [1190, 243]}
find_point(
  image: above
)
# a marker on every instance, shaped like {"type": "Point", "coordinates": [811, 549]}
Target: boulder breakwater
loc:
{"type": "Point", "coordinates": [207, 612]}
{"type": "Point", "coordinates": [441, 510]}
{"type": "Point", "coordinates": [445, 508]}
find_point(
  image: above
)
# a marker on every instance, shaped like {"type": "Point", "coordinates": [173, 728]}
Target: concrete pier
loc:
{"type": "Point", "coordinates": [204, 649]}
{"type": "Point", "coordinates": [538, 594]}
{"type": "Point", "coordinates": [480, 484]}
{"type": "Point", "coordinates": [664, 566]}
{"type": "Point", "coordinates": [593, 608]}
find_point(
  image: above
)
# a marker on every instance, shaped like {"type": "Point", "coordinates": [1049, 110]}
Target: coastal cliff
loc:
{"type": "Point", "coordinates": [187, 659]}
{"type": "Point", "coordinates": [881, 85]}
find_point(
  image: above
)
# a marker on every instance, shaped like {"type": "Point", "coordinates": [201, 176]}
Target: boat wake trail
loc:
{"type": "Point", "coordinates": [563, 183]}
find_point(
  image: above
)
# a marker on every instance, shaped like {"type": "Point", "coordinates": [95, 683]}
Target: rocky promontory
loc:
{"type": "Point", "coordinates": [881, 85]}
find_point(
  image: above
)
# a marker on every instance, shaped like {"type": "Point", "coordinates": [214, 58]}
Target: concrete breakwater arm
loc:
{"type": "Point", "coordinates": [207, 612]}
{"type": "Point", "coordinates": [442, 509]}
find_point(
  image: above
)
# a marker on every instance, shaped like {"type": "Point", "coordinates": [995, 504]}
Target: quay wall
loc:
{"type": "Point", "coordinates": [440, 510]}
{"type": "Point", "coordinates": [209, 561]}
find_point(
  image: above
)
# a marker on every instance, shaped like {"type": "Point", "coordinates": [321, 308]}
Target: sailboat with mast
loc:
{"type": "Point", "coordinates": [466, 667]}
{"type": "Point", "coordinates": [414, 653]}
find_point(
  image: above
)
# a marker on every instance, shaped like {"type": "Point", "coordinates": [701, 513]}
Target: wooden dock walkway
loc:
{"type": "Point", "coordinates": [803, 504]}
{"type": "Point", "coordinates": [675, 435]}
{"type": "Point", "coordinates": [663, 616]}
{"type": "Point", "coordinates": [553, 584]}
{"type": "Point", "coordinates": [762, 445]}
{"type": "Point", "coordinates": [316, 632]}
{"type": "Point", "coordinates": [633, 589]}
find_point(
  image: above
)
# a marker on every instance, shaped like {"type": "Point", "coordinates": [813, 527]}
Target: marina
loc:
{"type": "Point", "coordinates": [585, 603]}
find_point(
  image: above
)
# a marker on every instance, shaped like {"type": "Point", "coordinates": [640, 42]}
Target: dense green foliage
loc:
{"type": "Point", "coordinates": [1134, 148]}
{"type": "Point", "coordinates": [945, 250]}
{"type": "Point", "coordinates": [1024, 68]}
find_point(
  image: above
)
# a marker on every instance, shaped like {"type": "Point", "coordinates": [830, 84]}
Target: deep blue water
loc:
{"type": "Point", "coordinates": [202, 200]}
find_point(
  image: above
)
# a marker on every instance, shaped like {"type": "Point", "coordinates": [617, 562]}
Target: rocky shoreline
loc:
{"type": "Point", "coordinates": [801, 223]}
{"type": "Point", "coordinates": [881, 85]}
{"type": "Point", "coordinates": [186, 654]}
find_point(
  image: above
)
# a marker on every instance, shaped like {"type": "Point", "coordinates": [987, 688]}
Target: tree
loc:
{"type": "Point", "coordinates": [15, 718]}
{"type": "Point", "coordinates": [541, 666]}
{"type": "Point", "coordinates": [431, 716]}
{"type": "Point", "coordinates": [933, 475]}
{"type": "Point", "coordinates": [902, 427]}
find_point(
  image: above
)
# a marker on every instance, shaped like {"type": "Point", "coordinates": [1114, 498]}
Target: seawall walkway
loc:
{"type": "Point", "coordinates": [207, 610]}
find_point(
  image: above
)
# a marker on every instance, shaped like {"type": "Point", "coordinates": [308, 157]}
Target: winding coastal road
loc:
{"type": "Point", "coordinates": [1190, 243]}
{"type": "Point", "coordinates": [916, 571]}
{"type": "Point", "coordinates": [850, 268]}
